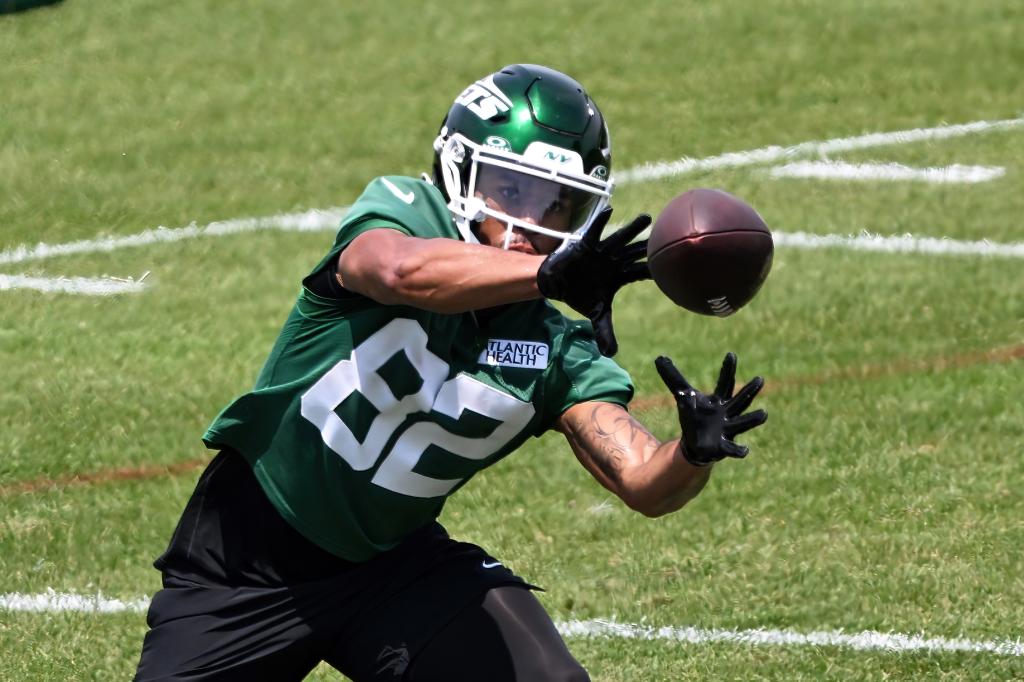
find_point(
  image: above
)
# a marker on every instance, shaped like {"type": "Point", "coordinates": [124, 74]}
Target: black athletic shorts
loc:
{"type": "Point", "coordinates": [246, 597]}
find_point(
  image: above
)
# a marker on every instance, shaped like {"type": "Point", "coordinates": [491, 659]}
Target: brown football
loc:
{"type": "Point", "coordinates": [709, 252]}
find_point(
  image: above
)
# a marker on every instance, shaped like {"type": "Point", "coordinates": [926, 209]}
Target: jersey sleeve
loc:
{"type": "Point", "coordinates": [413, 207]}
{"type": "Point", "coordinates": [584, 375]}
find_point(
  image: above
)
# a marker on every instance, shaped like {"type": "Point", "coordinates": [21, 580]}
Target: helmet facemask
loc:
{"type": "Point", "coordinates": [542, 192]}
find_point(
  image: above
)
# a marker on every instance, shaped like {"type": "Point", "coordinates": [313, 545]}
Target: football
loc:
{"type": "Point", "coordinates": [709, 252]}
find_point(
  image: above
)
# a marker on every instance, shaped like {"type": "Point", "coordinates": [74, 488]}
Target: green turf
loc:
{"type": "Point", "coordinates": [882, 494]}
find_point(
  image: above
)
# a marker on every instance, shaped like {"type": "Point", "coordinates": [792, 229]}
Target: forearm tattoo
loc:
{"type": "Point", "coordinates": [613, 439]}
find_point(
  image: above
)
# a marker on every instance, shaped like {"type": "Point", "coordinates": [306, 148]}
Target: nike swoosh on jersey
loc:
{"type": "Point", "coordinates": [407, 197]}
{"type": "Point", "coordinates": [488, 564]}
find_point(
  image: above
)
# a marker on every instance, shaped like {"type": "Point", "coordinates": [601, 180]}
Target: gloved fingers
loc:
{"type": "Point", "coordinates": [741, 401]}
{"type": "Point", "coordinates": [675, 381]}
{"type": "Point", "coordinates": [605, 333]}
{"type": "Point", "coordinates": [726, 377]}
{"type": "Point", "coordinates": [592, 237]}
{"type": "Point", "coordinates": [629, 232]}
{"type": "Point", "coordinates": [731, 449]}
{"type": "Point", "coordinates": [632, 252]}
{"type": "Point", "coordinates": [744, 423]}
{"type": "Point", "coordinates": [634, 272]}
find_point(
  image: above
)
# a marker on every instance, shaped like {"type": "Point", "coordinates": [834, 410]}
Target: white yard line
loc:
{"type": "Point", "coordinates": [309, 221]}
{"type": "Point", "coordinates": [775, 153]}
{"type": "Point", "coordinates": [89, 286]}
{"type": "Point", "coordinates": [59, 602]}
{"type": "Point", "coordinates": [868, 640]}
{"type": "Point", "coordinates": [864, 241]}
{"type": "Point", "coordinates": [327, 219]}
{"type": "Point", "coordinates": [907, 243]}
{"type": "Point", "coordinates": [324, 219]}
{"type": "Point", "coordinates": [840, 170]}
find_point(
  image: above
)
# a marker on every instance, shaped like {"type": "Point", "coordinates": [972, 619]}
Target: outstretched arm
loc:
{"type": "Point", "coordinates": [448, 276]}
{"type": "Point", "coordinates": [650, 476]}
{"type": "Point", "coordinates": [655, 477]}
{"type": "Point", "coordinates": [440, 275]}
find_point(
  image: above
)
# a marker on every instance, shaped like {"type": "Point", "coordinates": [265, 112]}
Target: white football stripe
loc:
{"type": "Point", "coordinates": [327, 219]}
{"type": "Point", "coordinates": [56, 602]}
{"type": "Point", "coordinates": [72, 285]}
{"type": "Point", "coordinates": [905, 243]}
{"type": "Point", "coordinates": [654, 171]}
{"type": "Point", "coordinates": [309, 221]}
{"type": "Point", "coordinates": [908, 243]}
{"type": "Point", "coordinates": [839, 170]}
{"type": "Point", "coordinates": [866, 640]}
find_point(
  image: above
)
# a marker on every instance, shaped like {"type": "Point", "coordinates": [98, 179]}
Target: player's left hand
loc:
{"type": "Point", "coordinates": [588, 272]}
{"type": "Point", "coordinates": [710, 422]}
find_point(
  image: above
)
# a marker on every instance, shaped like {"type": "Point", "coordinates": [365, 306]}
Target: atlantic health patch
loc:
{"type": "Point", "coordinates": [511, 353]}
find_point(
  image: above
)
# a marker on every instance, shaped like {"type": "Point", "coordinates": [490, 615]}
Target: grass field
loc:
{"type": "Point", "coordinates": [884, 493]}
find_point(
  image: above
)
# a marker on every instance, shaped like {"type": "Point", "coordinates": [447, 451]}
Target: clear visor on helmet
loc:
{"type": "Point", "coordinates": [533, 201]}
{"type": "Point", "coordinates": [529, 193]}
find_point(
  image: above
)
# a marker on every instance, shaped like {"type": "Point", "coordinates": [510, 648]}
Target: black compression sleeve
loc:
{"type": "Point", "coordinates": [324, 282]}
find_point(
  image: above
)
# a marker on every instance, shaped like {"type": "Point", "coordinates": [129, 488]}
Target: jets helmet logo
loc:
{"type": "Point", "coordinates": [484, 99]}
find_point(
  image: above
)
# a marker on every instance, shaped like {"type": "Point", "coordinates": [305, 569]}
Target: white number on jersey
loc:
{"type": "Point", "coordinates": [450, 397]}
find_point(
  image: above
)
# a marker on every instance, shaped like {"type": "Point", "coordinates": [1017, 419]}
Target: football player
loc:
{"type": "Point", "coordinates": [421, 350]}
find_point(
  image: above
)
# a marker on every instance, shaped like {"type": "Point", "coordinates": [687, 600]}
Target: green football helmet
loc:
{"type": "Point", "coordinates": [528, 147]}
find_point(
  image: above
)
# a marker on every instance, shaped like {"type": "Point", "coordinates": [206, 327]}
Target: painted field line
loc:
{"type": "Point", "coordinates": [324, 219]}
{"type": "Point", "coordinates": [327, 219]}
{"type": "Point", "coordinates": [60, 602]}
{"type": "Point", "coordinates": [775, 153]}
{"type": "Point", "coordinates": [89, 286]}
{"type": "Point", "coordinates": [908, 243]}
{"type": "Point", "coordinates": [309, 221]}
{"type": "Point", "coordinates": [840, 170]}
{"type": "Point", "coordinates": [868, 640]}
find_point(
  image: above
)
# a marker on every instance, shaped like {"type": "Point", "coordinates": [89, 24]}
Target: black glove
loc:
{"type": "Point", "coordinates": [710, 422]}
{"type": "Point", "coordinates": [587, 273]}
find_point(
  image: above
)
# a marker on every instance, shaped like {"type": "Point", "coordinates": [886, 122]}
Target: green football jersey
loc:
{"type": "Point", "coordinates": [366, 417]}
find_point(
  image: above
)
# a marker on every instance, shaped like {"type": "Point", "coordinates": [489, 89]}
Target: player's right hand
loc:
{"type": "Point", "coordinates": [710, 422]}
{"type": "Point", "coordinates": [587, 273]}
